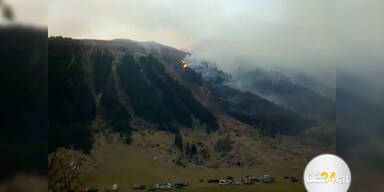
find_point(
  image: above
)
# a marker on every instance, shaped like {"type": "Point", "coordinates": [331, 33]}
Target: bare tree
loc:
{"type": "Point", "coordinates": [66, 169]}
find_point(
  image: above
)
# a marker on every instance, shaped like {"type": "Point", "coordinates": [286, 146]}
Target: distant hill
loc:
{"type": "Point", "coordinates": [284, 90]}
{"type": "Point", "coordinates": [238, 98]}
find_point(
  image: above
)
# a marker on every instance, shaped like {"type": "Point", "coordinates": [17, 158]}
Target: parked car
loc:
{"type": "Point", "coordinates": [178, 185]}
{"type": "Point", "coordinates": [224, 182]}
{"type": "Point", "coordinates": [167, 186]}
{"type": "Point", "coordinates": [156, 186]}
{"type": "Point", "coordinates": [90, 190]}
{"type": "Point", "coordinates": [138, 187]}
{"type": "Point", "coordinates": [114, 188]}
{"type": "Point", "coordinates": [267, 179]}
{"type": "Point", "coordinates": [213, 180]}
{"type": "Point", "coordinates": [294, 179]}
{"type": "Point", "coordinates": [250, 180]}
{"type": "Point", "coordinates": [186, 184]}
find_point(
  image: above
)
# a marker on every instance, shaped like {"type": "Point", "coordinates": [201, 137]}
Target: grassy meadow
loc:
{"type": "Point", "coordinates": [127, 165]}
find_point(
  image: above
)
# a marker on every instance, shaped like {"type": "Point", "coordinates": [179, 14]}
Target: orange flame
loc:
{"type": "Point", "coordinates": [183, 63]}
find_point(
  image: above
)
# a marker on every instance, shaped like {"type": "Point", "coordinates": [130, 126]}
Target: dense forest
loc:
{"type": "Point", "coordinates": [128, 86]}
{"type": "Point", "coordinates": [121, 81]}
{"type": "Point", "coordinates": [270, 118]}
{"type": "Point", "coordinates": [72, 106]}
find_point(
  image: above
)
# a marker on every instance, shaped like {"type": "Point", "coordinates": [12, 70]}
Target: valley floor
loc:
{"type": "Point", "coordinates": [127, 165]}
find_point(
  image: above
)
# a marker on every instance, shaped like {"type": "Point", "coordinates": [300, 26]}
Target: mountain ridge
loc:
{"type": "Point", "coordinates": [122, 87]}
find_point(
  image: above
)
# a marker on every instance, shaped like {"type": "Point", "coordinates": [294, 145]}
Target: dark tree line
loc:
{"type": "Point", "coordinates": [190, 150]}
{"type": "Point", "coordinates": [270, 118]}
{"type": "Point", "coordinates": [157, 97]}
{"type": "Point", "coordinates": [116, 114]}
{"type": "Point", "coordinates": [71, 103]}
{"type": "Point", "coordinates": [102, 66]}
{"type": "Point", "coordinates": [71, 94]}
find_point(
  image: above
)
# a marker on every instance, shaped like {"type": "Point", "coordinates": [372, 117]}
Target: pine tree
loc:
{"type": "Point", "coordinates": [179, 141]}
{"type": "Point", "coordinates": [187, 149]}
{"type": "Point", "coordinates": [193, 150]}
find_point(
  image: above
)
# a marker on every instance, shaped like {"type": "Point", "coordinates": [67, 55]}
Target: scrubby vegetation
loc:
{"type": "Point", "coordinates": [224, 144]}
{"type": "Point", "coordinates": [67, 169]}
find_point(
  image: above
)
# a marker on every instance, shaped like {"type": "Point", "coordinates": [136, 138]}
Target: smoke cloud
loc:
{"type": "Point", "coordinates": [278, 33]}
{"type": "Point", "coordinates": [360, 94]}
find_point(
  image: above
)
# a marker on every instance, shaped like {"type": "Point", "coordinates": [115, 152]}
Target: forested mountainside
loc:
{"type": "Point", "coordinates": [123, 84]}
{"type": "Point", "coordinates": [89, 78]}
{"type": "Point", "coordinates": [277, 86]}
{"type": "Point", "coordinates": [280, 87]}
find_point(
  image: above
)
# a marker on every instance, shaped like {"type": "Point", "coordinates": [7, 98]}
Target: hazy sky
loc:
{"type": "Point", "coordinates": [285, 33]}
{"type": "Point", "coordinates": [360, 47]}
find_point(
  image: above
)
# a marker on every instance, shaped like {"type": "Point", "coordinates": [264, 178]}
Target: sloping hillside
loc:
{"type": "Point", "coordinates": [138, 89]}
{"type": "Point", "coordinates": [119, 82]}
{"type": "Point", "coordinates": [282, 89]}
{"type": "Point", "coordinates": [144, 118]}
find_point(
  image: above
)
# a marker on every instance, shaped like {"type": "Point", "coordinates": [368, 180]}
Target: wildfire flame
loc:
{"type": "Point", "coordinates": [183, 63]}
